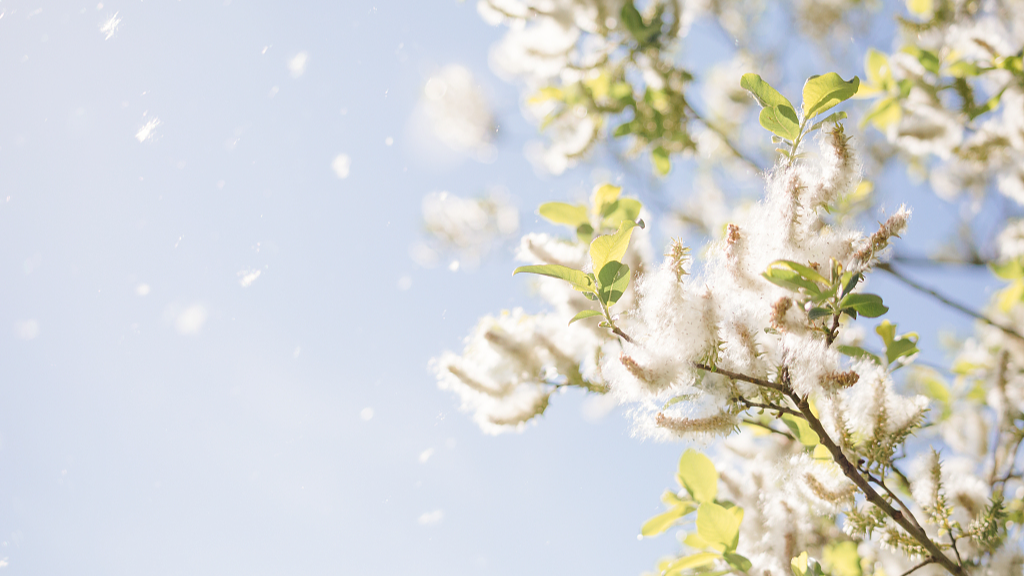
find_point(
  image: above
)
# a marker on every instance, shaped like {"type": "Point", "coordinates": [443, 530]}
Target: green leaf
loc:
{"type": "Point", "coordinates": [805, 271]}
{"type": "Point", "coordinates": [780, 120]}
{"type": "Point", "coordinates": [569, 215]}
{"type": "Point", "coordinates": [900, 348]}
{"type": "Point", "coordinates": [858, 352]}
{"type": "Point", "coordinates": [738, 562]}
{"type": "Point", "coordinates": [579, 280]}
{"type": "Point", "coordinates": [790, 279]}
{"type": "Point", "coordinates": [850, 282]}
{"type": "Point", "coordinates": [584, 314]}
{"type": "Point", "coordinates": [620, 210]}
{"type": "Point", "coordinates": [634, 22]}
{"type": "Point", "coordinates": [867, 305]}
{"type": "Point", "coordinates": [802, 430]}
{"type": "Point", "coordinates": [818, 312]}
{"type": "Point", "coordinates": [693, 561]}
{"type": "Point", "coordinates": [698, 475]}
{"type": "Point", "coordinates": [604, 249]}
{"type": "Point", "coordinates": [603, 196]}
{"type": "Point", "coordinates": [763, 92]}
{"type": "Point", "coordinates": [823, 92]}
{"type": "Point", "coordinates": [612, 282]}
{"type": "Point", "coordinates": [585, 233]}
{"type": "Point", "coordinates": [623, 129]}
{"type": "Point", "coordinates": [887, 331]}
{"type": "Point", "coordinates": [665, 520]}
{"type": "Point", "coordinates": [929, 60]}
{"type": "Point", "coordinates": [659, 157]}
{"type": "Point", "coordinates": [963, 69]}
{"type": "Point", "coordinates": [833, 118]}
{"type": "Point", "coordinates": [718, 525]}
{"type": "Point", "coordinates": [841, 559]}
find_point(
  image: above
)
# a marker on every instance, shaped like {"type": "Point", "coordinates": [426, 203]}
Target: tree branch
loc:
{"type": "Point", "coordinates": [945, 300]}
{"type": "Point", "coordinates": [905, 521]}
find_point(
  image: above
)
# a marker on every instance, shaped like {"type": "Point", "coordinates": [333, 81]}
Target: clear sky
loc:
{"type": "Point", "coordinates": [213, 349]}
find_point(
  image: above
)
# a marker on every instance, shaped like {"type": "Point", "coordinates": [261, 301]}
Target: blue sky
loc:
{"type": "Point", "coordinates": [158, 417]}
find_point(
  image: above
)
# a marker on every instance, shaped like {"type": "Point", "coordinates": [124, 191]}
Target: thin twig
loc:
{"type": "Point", "coordinates": [753, 422]}
{"type": "Point", "coordinates": [926, 261]}
{"type": "Point", "coordinates": [743, 377]}
{"type": "Point", "coordinates": [921, 565]}
{"type": "Point", "coordinates": [725, 139]}
{"type": "Point", "coordinates": [945, 300]}
{"type": "Point", "coordinates": [779, 409]}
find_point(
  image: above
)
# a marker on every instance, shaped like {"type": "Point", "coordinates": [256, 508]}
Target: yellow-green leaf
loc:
{"type": "Point", "coordinates": [718, 525]}
{"type": "Point", "coordinates": [695, 541]}
{"type": "Point", "coordinates": [763, 92]}
{"type": "Point", "coordinates": [823, 92]}
{"type": "Point", "coordinates": [780, 120]}
{"type": "Point", "coordinates": [1008, 297]}
{"type": "Point", "coordinates": [621, 209]}
{"type": "Point", "coordinates": [698, 475]}
{"type": "Point", "coordinates": [1008, 270]}
{"type": "Point", "coordinates": [665, 520]}
{"type": "Point", "coordinates": [694, 561]}
{"type": "Point", "coordinates": [920, 8]}
{"type": "Point", "coordinates": [577, 278]}
{"type": "Point", "coordinates": [883, 114]}
{"type": "Point", "coordinates": [604, 195]}
{"type": "Point", "coordinates": [570, 215]}
{"type": "Point", "coordinates": [841, 559]}
{"type": "Point", "coordinates": [659, 157]}
{"type": "Point", "coordinates": [876, 68]}
{"type": "Point", "coordinates": [670, 498]}
{"type": "Point", "coordinates": [584, 314]}
{"type": "Point", "coordinates": [799, 564]}
{"type": "Point", "coordinates": [610, 247]}
{"type": "Point", "coordinates": [821, 453]}
{"type": "Point", "coordinates": [801, 430]}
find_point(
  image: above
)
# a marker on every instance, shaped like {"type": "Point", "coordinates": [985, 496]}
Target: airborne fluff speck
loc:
{"type": "Point", "coordinates": [142, 289]}
{"type": "Point", "coordinates": [191, 320]}
{"type": "Point", "coordinates": [297, 65]}
{"type": "Point", "coordinates": [247, 277]}
{"type": "Point", "coordinates": [146, 132]}
{"type": "Point", "coordinates": [109, 27]}
{"type": "Point", "coordinates": [340, 165]}
{"type": "Point", "coordinates": [26, 330]}
{"type": "Point", "coordinates": [428, 518]}
{"type": "Point", "coordinates": [366, 414]}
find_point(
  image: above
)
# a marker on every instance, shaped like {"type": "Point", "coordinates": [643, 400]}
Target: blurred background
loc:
{"type": "Point", "coordinates": [222, 284]}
